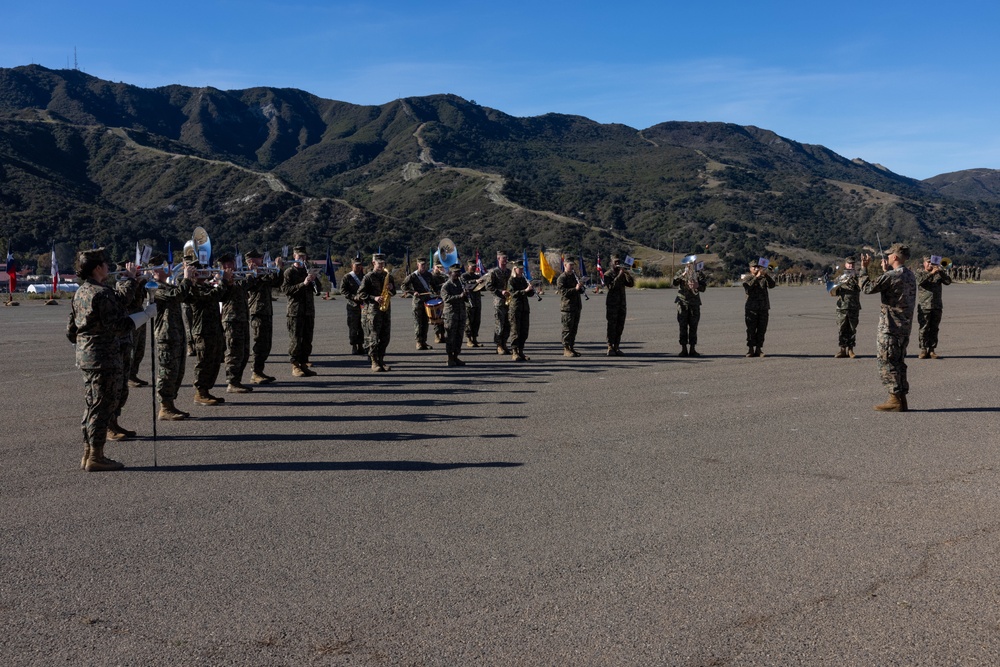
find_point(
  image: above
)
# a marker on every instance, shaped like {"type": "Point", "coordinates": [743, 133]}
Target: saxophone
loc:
{"type": "Point", "coordinates": [386, 301]}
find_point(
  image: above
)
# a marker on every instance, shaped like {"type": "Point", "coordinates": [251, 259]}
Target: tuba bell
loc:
{"type": "Point", "coordinates": [446, 253]}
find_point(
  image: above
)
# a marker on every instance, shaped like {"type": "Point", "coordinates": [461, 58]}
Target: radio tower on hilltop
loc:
{"type": "Point", "coordinates": [76, 65]}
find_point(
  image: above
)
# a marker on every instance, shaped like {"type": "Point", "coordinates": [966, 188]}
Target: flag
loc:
{"type": "Point", "coordinates": [170, 258]}
{"type": "Point", "coordinates": [138, 254]}
{"type": "Point", "coordinates": [543, 265]}
{"type": "Point", "coordinates": [479, 264]}
{"type": "Point", "coordinates": [583, 268]}
{"type": "Point", "coordinates": [527, 273]}
{"type": "Point", "coordinates": [600, 271]}
{"type": "Point", "coordinates": [331, 271]}
{"type": "Point", "coordinates": [407, 261]}
{"type": "Point", "coordinates": [11, 269]}
{"type": "Point", "coordinates": [431, 262]}
{"type": "Point", "coordinates": [55, 272]}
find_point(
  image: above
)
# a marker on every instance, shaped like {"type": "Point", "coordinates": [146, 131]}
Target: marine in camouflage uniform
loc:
{"type": "Point", "coordinates": [570, 306]}
{"type": "Point", "coordinates": [300, 286]}
{"type": "Point", "coordinates": [930, 306]}
{"type": "Point", "coordinates": [423, 286]}
{"type": "Point", "coordinates": [496, 282]}
{"type": "Point", "coordinates": [349, 287]}
{"type": "Point", "coordinates": [236, 326]}
{"type": "Point", "coordinates": [690, 283]}
{"type": "Point", "coordinates": [168, 332]}
{"type": "Point", "coordinates": [454, 296]}
{"type": "Point", "coordinates": [440, 278]}
{"type": "Point", "coordinates": [261, 310]}
{"type": "Point", "coordinates": [376, 322]}
{"type": "Point", "coordinates": [520, 291]}
{"type": "Point", "coordinates": [756, 285]}
{"type": "Point", "coordinates": [848, 293]}
{"type": "Point", "coordinates": [898, 289]}
{"type": "Point", "coordinates": [617, 279]}
{"type": "Point", "coordinates": [138, 350]}
{"type": "Point", "coordinates": [97, 323]}
{"type": "Point", "coordinates": [132, 293]}
{"type": "Point", "coordinates": [474, 310]}
{"type": "Point", "coordinates": [208, 337]}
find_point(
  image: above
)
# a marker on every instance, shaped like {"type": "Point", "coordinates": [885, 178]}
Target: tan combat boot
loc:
{"type": "Point", "coordinates": [238, 388]}
{"type": "Point", "coordinates": [842, 354]}
{"type": "Point", "coordinates": [97, 462]}
{"type": "Point", "coordinates": [895, 403]}
{"type": "Point", "coordinates": [850, 352]}
{"type": "Point", "coordinates": [567, 352]}
{"type": "Point", "coordinates": [169, 412]}
{"type": "Point", "coordinates": [86, 456]}
{"type": "Point", "coordinates": [202, 397]}
{"type": "Point", "coordinates": [261, 378]}
{"type": "Point", "coordinates": [118, 432]}
{"type": "Point", "coordinates": [923, 354]}
{"type": "Point", "coordinates": [298, 371]}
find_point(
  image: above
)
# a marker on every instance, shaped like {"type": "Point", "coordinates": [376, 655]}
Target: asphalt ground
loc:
{"type": "Point", "coordinates": [642, 510]}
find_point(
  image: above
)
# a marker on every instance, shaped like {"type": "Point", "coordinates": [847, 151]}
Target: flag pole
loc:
{"type": "Point", "coordinates": [152, 360]}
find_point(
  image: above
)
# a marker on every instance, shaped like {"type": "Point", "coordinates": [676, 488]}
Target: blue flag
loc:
{"type": "Point", "coordinates": [331, 271]}
{"type": "Point", "coordinates": [527, 273]}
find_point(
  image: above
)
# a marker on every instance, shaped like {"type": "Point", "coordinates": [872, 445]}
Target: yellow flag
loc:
{"type": "Point", "coordinates": [547, 271]}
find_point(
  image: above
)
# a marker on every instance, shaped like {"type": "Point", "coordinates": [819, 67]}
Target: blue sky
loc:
{"type": "Point", "coordinates": [910, 85]}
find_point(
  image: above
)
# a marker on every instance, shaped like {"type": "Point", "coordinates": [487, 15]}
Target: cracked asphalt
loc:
{"type": "Point", "coordinates": [642, 510]}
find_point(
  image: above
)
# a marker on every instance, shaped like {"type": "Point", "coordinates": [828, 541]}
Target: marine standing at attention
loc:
{"type": "Point", "coordinates": [349, 287]}
{"type": "Point", "coordinates": [570, 305]}
{"type": "Point", "coordinates": [299, 285]}
{"type": "Point", "coordinates": [519, 291]}
{"type": "Point", "coordinates": [474, 314]}
{"type": "Point", "coordinates": [454, 295]}
{"type": "Point", "coordinates": [897, 287]}
{"type": "Point", "coordinates": [496, 282]}
{"type": "Point", "coordinates": [422, 286]}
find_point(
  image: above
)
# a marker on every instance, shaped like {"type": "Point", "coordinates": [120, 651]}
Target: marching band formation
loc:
{"type": "Point", "coordinates": [229, 320]}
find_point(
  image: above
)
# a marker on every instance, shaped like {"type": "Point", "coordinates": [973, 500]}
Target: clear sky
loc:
{"type": "Point", "coordinates": [910, 85]}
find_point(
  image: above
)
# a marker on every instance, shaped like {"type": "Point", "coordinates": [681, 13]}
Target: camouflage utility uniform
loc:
{"type": "Point", "coordinates": [453, 295]}
{"type": "Point", "coordinates": [848, 295]}
{"type": "Point", "coordinates": [424, 287]}
{"type": "Point", "coordinates": [617, 307]}
{"type": "Point", "coordinates": [349, 287]}
{"type": "Point", "coordinates": [570, 307]}
{"type": "Point", "coordinates": [689, 306]}
{"type": "Point", "coordinates": [377, 323]}
{"type": "Point", "coordinates": [930, 306]}
{"type": "Point", "coordinates": [97, 323]}
{"type": "Point", "coordinates": [757, 306]}
{"type": "Point", "coordinates": [474, 310]}
{"type": "Point", "coordinates": [236, 325]}
{"type": "Point", "coordinates": [520, 314]}
{"type": "Point", "coordinates": [261, 310]}
{"type": "Point", "coordinates": [168, 331]}
{"type": "Point", "coordinates": [207, 334]}
{"type": "Point", "coordinates": [496, 282]}
{"type": "Point", "coordinates": [898, 290]}
{"type": "Point", "coordinates": [300, 314]}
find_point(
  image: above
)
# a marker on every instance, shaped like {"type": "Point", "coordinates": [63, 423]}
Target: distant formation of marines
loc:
{"type": "Point", "coordinates": [224, 316]}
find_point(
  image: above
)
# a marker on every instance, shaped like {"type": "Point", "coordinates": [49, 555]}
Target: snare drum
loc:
{"type": "Point", "coordinates": [434, 308]}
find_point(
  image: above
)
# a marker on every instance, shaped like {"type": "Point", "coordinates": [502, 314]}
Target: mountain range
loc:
{"type": "Point", "coordinates": [85, 162]}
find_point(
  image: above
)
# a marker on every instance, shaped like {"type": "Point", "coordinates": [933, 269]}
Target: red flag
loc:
{"type": "Point", "coordinates": [11, 270]}
{"type": "Point", "coordinates": [55, 272]}
{"type": "Point", "coordinates": [600, 271]}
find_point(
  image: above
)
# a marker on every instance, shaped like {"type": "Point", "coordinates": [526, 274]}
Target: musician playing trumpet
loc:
{"type": "Point", "coordinates": [756, 285]}
{"type": "Point", "coordinates": [690, 283]}
{"type": "Point", "coordinates": [930, 306]}
{"type": "Point", "coordinates": [848, 293]}
{"type": "Point", "coordinates": [299, 285]}
{"type": "Point", "coordinates": [474, 314]}
{"type": "Point", "coordinates": [617, 279]}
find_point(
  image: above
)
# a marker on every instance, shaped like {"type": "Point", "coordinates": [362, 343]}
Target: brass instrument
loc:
{"type": "Point", "coordinates": [386, 301]}
{"type": "Point", "coordinates": [691, 272]}
{"type": "Point", "coordinates": [946, 263]}
{"type": "Point", "coordinates": [446, 253]}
